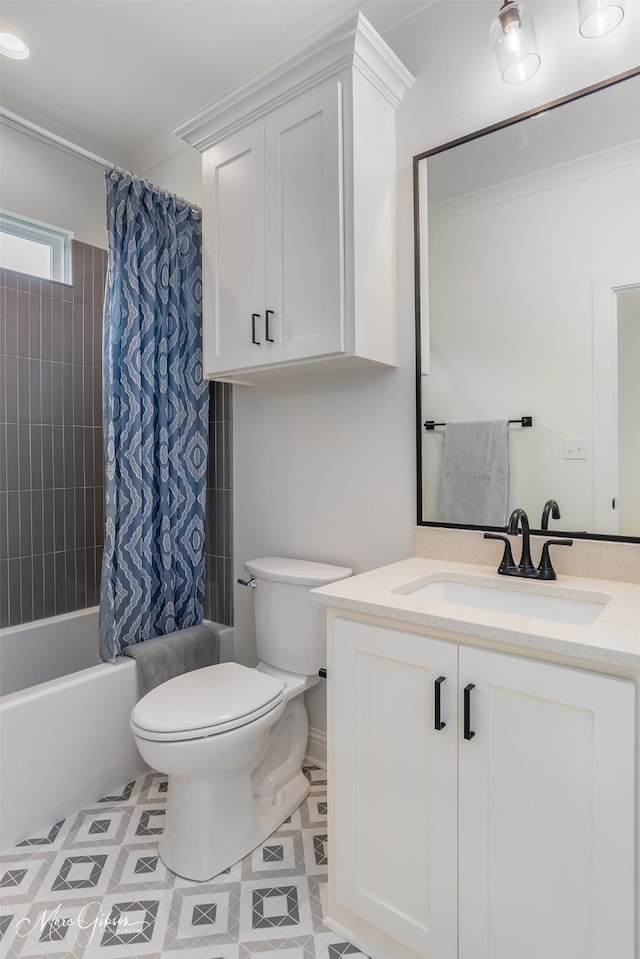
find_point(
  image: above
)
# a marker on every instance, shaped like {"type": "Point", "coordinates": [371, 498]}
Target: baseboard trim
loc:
{"type": "Point", "coordinates": [317, 748]}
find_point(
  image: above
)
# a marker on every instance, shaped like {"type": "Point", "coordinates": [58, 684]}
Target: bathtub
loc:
{"type": "Point", "coordinates": [64, 722]}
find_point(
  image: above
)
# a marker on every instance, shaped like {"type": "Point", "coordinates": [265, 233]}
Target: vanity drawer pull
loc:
{"type": "Point", "coordinates": [468, 732]}
{"type": "Point", "coordinates": [438, 723]}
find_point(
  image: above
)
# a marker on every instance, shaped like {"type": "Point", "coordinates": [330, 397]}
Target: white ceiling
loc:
{"type": "Point", "coordinates": [112, 74]}
{"type": "Point", "coordinates": [117, 76]}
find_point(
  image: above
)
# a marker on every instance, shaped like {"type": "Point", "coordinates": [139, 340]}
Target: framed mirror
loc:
{"type": "Point", "coordinates": [527, 267]}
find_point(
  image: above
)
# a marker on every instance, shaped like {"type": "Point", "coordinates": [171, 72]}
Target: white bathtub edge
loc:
{"type": "Point", "coordinates": [66, 742]}
{"type": "Point", "coordinates": [43, 781]}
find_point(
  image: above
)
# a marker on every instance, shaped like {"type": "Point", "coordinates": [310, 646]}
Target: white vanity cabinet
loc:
{"type": "Point", "coordinates": [299, 180]}
{"type": "Point", "coordinates": [497, 824]}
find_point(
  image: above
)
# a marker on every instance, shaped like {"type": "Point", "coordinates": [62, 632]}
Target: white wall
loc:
{"type": "Point", "coordinates": [171, 164]}
{"type": "Point", "coordinates": [458, 89]}
{"type": "Point", "coordinates": [43, 182]}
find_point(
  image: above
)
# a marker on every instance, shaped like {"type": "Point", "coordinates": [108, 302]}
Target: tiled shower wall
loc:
{"type": "Point", "coordinates": [51, 467]}
{"type": "Point", "coordinates": [51, 453]}
{"type": "Point", "coordinates": [218, 602]}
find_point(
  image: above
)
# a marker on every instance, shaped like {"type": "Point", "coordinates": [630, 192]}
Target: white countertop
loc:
{"type": "Point", "coordinates": [613, 638]}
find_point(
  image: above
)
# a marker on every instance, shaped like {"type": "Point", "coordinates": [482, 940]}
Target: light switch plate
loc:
{"type": "Point", "coordinates": [575, 448]}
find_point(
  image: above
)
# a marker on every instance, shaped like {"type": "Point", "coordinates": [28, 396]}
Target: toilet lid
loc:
{"type": "Point", "coordinates": [206, 701]}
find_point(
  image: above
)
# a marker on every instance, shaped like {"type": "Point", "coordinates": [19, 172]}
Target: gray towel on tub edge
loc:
{"type": "Point", "coordinates": [164, 657]}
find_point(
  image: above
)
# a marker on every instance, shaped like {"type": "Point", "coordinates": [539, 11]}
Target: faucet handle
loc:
{"type": "Point", "coordinates": [545, 568]}
{"type": "Point", "coordinates": [507, 565]}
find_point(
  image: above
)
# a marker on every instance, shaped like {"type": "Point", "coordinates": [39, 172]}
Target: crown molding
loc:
{"type": "Point", "coordinates": [352, 43]}
{"type": "Point", "coordinates": [379, 64]}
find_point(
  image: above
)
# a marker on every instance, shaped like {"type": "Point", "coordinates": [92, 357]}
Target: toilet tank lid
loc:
{"type": "Point", "coordinates": [300, 572]}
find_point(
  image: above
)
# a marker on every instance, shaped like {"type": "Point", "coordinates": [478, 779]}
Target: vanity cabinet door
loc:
{"type": "Point", "coordinates": [547, 813]}
{"type": "Point", "coordinates": [393, 820]}
{"type": "Point", "coordinates": [233, 262]}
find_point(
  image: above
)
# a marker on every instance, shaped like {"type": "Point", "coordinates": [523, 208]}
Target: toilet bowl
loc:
{"type": "Point", "coordinates": [232, 739]}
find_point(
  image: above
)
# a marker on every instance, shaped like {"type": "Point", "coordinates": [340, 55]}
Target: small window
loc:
{"type": "Point", "coordinates": [39, 249]}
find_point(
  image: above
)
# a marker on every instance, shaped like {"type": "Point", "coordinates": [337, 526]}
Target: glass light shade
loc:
{"type": "Point", "coordinates": [14, 47]}
{"type": "Point", "coordinates": [514, 41]}
{"type": "Point", "coordinates": [599, 17]}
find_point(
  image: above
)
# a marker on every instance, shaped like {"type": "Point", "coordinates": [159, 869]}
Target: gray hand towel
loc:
{"type": "Point", "coordinates": [164, 657]}
{"type": "Point", "coordinates": [474, 485]}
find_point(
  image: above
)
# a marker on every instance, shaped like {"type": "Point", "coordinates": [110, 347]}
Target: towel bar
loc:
{"type": "Point", "coordinates": [522, 421]}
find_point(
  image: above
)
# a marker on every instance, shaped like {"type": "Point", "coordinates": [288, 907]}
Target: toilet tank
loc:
{"type": "Point", "coordinates": [290, 627]}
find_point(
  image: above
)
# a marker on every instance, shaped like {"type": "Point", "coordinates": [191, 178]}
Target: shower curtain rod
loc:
{"type": "Point", "coordinates": [46, 136]}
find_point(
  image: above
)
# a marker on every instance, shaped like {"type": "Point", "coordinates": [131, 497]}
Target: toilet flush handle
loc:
{"type": "Point", "coordinates": [248, 582]}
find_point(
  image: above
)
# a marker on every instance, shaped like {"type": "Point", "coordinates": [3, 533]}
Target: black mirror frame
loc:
{"type": "Point", "coordinates": [619, 78]}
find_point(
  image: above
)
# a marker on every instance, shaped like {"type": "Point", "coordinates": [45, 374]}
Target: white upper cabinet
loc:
{"type": "Point", "coordinates": [299, 210]}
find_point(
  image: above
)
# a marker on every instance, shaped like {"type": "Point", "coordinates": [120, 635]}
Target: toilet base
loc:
{"type": "Point", "coordinates": [214, 820]}
{"type": "Point", "coordinates": [199, 858]}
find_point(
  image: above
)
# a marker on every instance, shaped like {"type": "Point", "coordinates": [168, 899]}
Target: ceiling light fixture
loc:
{"type": "Point", "coordinates": [514, 41]}
{"type": "Point", "coordinates": [599, 17]}
{"type": "Point", "coordinates": [14, 47]}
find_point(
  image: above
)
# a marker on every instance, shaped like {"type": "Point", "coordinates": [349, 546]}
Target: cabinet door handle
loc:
{"type": "Point", "coordinates": [438, 723]}
{"type": "Point", "coordinates": [254, 317]}
{"type": "Point", "coordinates": [268, 338]}
{"type": "Point", "coordinates": [468, 732]}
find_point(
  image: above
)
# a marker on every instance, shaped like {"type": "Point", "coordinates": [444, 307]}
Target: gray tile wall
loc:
{"type": "Point", "coordinates": [51, 452]}
{"type": "Point", "coordinates": [219, 569]}
{"type": "Point", "coordinates": [51, 458]}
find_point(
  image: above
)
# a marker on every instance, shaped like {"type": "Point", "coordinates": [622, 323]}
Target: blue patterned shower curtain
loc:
{"type": "Point", "coordinates": [155, 417]}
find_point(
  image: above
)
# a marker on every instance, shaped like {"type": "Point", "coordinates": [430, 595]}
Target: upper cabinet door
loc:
{"type": "Point", "coordinates": [233, 252]}
{"type": "Point", "coordinates": [304, 235]}
{"type": "Point", "coordinates": [547, 812]}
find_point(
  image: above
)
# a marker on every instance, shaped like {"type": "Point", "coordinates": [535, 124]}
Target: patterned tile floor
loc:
{"type": "Point", "coordinates": [93, 887]}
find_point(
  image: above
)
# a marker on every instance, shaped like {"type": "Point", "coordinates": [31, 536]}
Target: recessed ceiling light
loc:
{"type": "Point", "coordinates": [14, 47]}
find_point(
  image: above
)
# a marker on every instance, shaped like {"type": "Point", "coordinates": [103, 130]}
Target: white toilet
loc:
{"type": "Point", "coordinates": [232, 739]}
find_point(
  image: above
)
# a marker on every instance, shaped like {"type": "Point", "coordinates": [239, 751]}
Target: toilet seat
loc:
{"type": "Point", "coordinates": [205, 702]}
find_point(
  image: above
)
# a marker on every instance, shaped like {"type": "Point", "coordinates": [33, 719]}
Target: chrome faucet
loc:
{"type": "Point", "coordinates": [525, 568]}
{"type": "Point", "coordinates": [550, 507]}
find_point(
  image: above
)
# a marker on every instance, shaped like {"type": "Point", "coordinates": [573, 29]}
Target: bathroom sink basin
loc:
{"type": "Point", "coordinates": [560, 609]}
